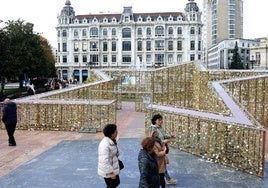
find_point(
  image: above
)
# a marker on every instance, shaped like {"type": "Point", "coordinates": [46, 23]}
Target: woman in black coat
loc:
{"type": "Point", "coordinates": [147, 160]}
{"type": "Point", "coordinates": [9, 118]}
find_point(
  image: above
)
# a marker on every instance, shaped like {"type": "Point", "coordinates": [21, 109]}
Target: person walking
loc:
{"type": "Point", "coordinates": [148, 166]}
{"type": "Point", "coordinates": [108, 165]}
{"type": "Point", "coordinates": [9, 118]}
{"type": "Point", "coordinates": [160, 151]}
{"type": "Point", "coordinates": [157, 125]}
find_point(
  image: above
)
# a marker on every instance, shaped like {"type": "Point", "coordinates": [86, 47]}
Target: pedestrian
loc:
{"type": "Point", "coordinates": [157, 125]}
{"type": "Point", "coordinates": [108, 165]}
{"type": "Point", "coordinates": [160, 151]}
{"type": "Point", "coordinates": [30, 89]}
{"type": "Point", "coordinates": [148, 166]}
{"type": "Point", "coordinates": [9, 118]}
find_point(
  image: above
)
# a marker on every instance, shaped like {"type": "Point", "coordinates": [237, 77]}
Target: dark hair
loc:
{"type": "Point", "coordinates": [156, 117]}
{"type": "Point", "coordinates": [147, 143]}
{"type": "Point", "coordinates": [109, 129]}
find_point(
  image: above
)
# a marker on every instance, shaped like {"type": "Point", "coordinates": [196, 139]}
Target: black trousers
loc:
{"type": "Point", "coordinates": [10, 132]}
{"type": "Point", "coordinates": [162, 180]}
{"type": "Point", "coordinates": [112, 183]}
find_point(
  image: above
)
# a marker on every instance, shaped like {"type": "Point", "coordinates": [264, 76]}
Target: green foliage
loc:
{"type": "Point", "coordinates": [24, 53]}
{"type": "Point", "coordinates": [236, 59]}
{"type": "Point", "coordinates": [11, 91]}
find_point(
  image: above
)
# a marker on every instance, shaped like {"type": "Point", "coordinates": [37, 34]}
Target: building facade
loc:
{"type": "Point", "coordinates": [259, 54]}
{"type": "Point", "coordinates": [220, 55]}
{"type": "Point", "coordinates": [223, 20]}
{"type": "Point", "coordinates": [126, 40]}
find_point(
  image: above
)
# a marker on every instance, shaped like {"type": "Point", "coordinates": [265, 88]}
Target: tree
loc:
{"type": "Point", "coordinates": [3, 56]}
{"type": "Point", "coordinates": [236, 59]}
{"type": "Point", "coordinates": [26, 53]}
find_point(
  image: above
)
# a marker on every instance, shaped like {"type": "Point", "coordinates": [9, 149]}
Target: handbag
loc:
{"type": "Point", "coordinates": [167, 150]}
{"type": "Point", "coordinates": [121, 164]}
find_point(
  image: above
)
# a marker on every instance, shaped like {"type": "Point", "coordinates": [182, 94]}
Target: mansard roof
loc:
{"type": "Point", "coordinates": [152, 15]}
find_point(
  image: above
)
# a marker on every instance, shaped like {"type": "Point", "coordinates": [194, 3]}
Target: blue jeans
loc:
{"type": "Point", "coordinates": [167, 176]}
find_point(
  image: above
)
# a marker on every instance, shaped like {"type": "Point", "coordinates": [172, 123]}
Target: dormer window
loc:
{"type": "Point", "coordinates": [105, 20]}
{"type": "Point", "coordinates": [114, 20]}
{"type": "Point", "coordinates": [126, 19]}
{"type": "Point", "coordinates": [84, 20]}
{"type": "Point", "coordinates": [179, 18]}
{"type": "Point", "coordinates": [127, 14]}
{"type": "Point", "coordinates": [159, 18]}
{"type": "Point", "coordinates": [170, 18]}
{"type": "Point", "coordinates": [149, 19]}
{"type": "Point", "coordinates": [95, 20]}
{"type": "Point", "coordinates": [192, 17]}
{"type": "Point", "coordinates": [76, 21]}
{"type": "Point", "coordinates": [140, 19]}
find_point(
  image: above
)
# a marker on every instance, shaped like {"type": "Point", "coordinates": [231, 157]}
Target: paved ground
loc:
{"type": "Point", "coordinates": [69, 159]}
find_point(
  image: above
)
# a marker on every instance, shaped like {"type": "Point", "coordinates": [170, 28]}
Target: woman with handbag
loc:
{"type": "Point", "coordinates": [108, 162]}
{"type": "Point", "coordinates": [157, 125]}
{"type": "Point", "coordinates": [160, 151]}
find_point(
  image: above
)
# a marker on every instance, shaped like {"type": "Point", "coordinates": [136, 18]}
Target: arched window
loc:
{"type": "Point", "coordinates": [148, 31]}
{"type": "Point", "coordinates": [84, 33]}
{"type": "Point", "coordinates": [139, 31]}
{"type": "Point", "coordinates": [113, 31]}
{"type": "Point", "coordinates": [159, 31]}
{"type": "Point", "coordinates": [75, 33]}
{"type": "Point", "coordinates": [126, 33]}
{"type": "Point", "coordinates": [64, 33]}
{"type": "Point", "coordinates": [170, 30]}
{"type": "Point", "coordinates": [104, 32]}
{"type": "Point", "coordinates": [179, 32]}
{"type": "Point", "coordinates": [199, 31]}
{"type": "Point", "coordinates": [192, 31]}
{"type": "Point", "coordinates": [94, 31]}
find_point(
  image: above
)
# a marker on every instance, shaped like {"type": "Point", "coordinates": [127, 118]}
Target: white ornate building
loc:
{"type": "Point", "coordinates": [259, 54]}
{"type": "Point", "coordinates": [126, 40]}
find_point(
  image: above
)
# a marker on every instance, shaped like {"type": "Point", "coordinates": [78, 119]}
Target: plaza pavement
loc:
{"type": "Point", "coordinates": [51, 159]}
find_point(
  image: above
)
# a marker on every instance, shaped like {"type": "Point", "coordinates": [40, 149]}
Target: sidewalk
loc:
{"type": "Point", "coordinates": [69, 159]}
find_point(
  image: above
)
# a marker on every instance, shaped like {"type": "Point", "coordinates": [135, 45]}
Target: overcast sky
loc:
{"type": "Point", "coordinates": [43, 13]}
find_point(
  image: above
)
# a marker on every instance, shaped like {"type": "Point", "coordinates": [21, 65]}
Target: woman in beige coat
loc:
{"type": "Point", "coordinates": [160, 151]}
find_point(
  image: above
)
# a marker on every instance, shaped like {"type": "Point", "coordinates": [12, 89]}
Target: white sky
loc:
{"type": "Point", "coordinates": [43, 13]}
